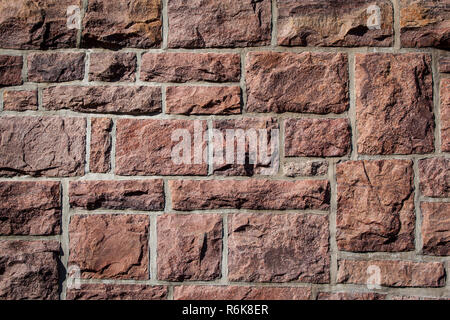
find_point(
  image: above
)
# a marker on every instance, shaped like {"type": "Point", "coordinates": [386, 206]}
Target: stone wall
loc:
{"type": "Point", "coordinates": [93, 205]}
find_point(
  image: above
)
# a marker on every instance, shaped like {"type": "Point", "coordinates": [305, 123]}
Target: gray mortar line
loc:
{"type": "Point", "coordinates": [83, 10]}
{"type": "Point", "coordinates": [274, 20]}
{"type": "Point", "coordinates": [1, 100]}
{"type": "Point", "coordinates": [65, 233]}
{"type": "Point", "coordinates": [165, 25]}
{"type": "Point", "coordinates": [332, 222]}
{"type": "Point", "coordinates": [396, 16]}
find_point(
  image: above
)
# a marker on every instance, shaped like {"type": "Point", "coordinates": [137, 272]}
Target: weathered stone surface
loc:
{"type": "Point", "coordinates": [444, 64]}
{"type": "Point", "coordinates": [350, 296]}
{"type": "Point", "coordinates": [29, 270]}
{"type": "Point", "coordinates": [278, 248]}
{"type": "Point", "coordinates": [394, 103]}
{"type": "Point", "coordinates": [113, 66]}
{"type": "Point", "coordinates": [102, 291]}
{"type": "Point", "coordinates": [122, 23]}
{"type": "Point", "coordinates": [436, 228]}
{"type": "Point", "coordinates": [334, 23]}
{"type": "Point", "coordinates": [184, 67]}
{"type": "Point", "coordinates": [393, 273]}
{"type": "Point", "coordinates": [375, 206]}
{"type": "Point", "coordinates": [37, 24]}
{"type": "Point", "coordinates": [445, 115]}
{"type": "Point", "coordinates": [249, 194]}
{"type": "Point", "coordinates": [148, 147]}
{"type": "Point", "coordinates": [425, 23]}
{"type": "Point", "coordinates": [306, 169]}
{"type": "Point", "coordinates": [435, 177]}
{"type": "Point", "coordinates": [30, 208]}
{"type": "Point", "coordinates": [241, 157]}
{"type": "Point", "coordinates": [226, 23]}
{"type": "Point", "coordinates": [307, 82]}
{"type": "Point", "coordinates": [100, 153]}
{"type": "Point", "coordinates": [416, 298]}
{"type": "Point", "coordinates": [42, 146]}
{"type": "Point", "coordinates": [55, 67]}
{"type": "Point", "coordinates": [117, 194]}
{"type": "Point", "coordinates": [110, 246]}
{"type": "Point", "coordinates": [189, 247]}
{"type": "Point", "coordinates": [317, 137]}
{"type": "Point", "coordinates": [14, 100]}
{"type": "Point", "coordinates": [11, 71]}
{"type": "Point", "coordinates": [203, 100]}
{"type": "Point", "coordinates": [240, 293]}
{"type": "Point", "coordinates": [140, 100]}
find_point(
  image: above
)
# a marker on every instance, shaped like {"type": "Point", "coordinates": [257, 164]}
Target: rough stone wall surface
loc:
{"type": "Point", "coordinates": [354, 203]}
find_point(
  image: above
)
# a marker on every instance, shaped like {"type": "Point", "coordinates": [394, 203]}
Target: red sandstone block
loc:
{"type": "Point", "coordinates": [110, 246]}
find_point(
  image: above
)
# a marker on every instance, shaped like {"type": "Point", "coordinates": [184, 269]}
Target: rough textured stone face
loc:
{"type": "Point", "coordinates": [29, 270]}
{"type": "Point", "coordinates": [444, 64]}
{"type": "Point", "coordinates": [249, 194]}
{"type": "Point", "coordinates": [140, 100]}
{"type": "Point", "coordinates": [42, 146]}
{"type": "Point", "coordinates": [189, 247]}
{"type": "Point", "coordinates": [184, 67]}
{"type": "Point", "coordinates": [23, 100]}
{"type": "Point", "coordinates": [100, 153]}
{"type": "Point", "coordinates": [10, 70]}
{"type": "Point", "coordinates": [110, 246]}
{"type": "Point", "coordinates": [117, 292]}
{"type": "Point", "coordinates": [112, 67]}
{"type": "Point", "coordinates": [118, 195]}
{"type": "Point", "coordinates": [350, 296]}
{"type": "Point", "coordinates": [435, 177]}
{"type": "Point", "coordinates": [55, 67]}
{"type": "Point", "coordinates": [425, 23]}
{"type": "Point", "coordinates": [335, 23]}
{"type": "Point", "coordinates": [240, 293]}
{"type": "Point", "coordinates": [297, 82]}
{"type": "Point", "coordinates": [203, 100]}
{"type": "Point", "coordinates": [306, 169]}
{"type": "Point", "coordinates": [226, 23]}
{"type": "Point", "coordinates": [393, 273]}
{"type": "Point", "coordinates": [278, 248]}
{"type": "Point", "coordinates": [37, 24]}
{"type": "Point", "coordinates": [122, 24]}
{"type": "Point", "coordinates": [436, 228]}
{"type": "Point", "coordinates": [317, 137]}
{"type": "Point", "coordinates": [375, 206]}
{"type": "Point", "coordinates": [258, 134]}
{"type": "Point", "coordinates": [146, 147]}
{"type": "Point", "coordinates": [394, 103]}
{"type": "Point", "coordinates": [445, 115]}
{"type": "Point", "coordinates": [30, 208]}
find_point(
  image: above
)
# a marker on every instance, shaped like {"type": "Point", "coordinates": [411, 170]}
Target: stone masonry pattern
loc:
{"type": "Point", "coordinates": [93, 206]}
